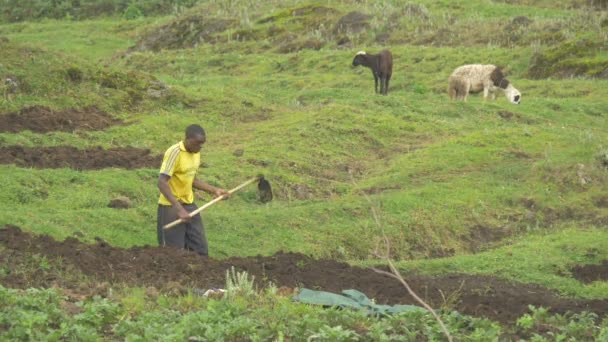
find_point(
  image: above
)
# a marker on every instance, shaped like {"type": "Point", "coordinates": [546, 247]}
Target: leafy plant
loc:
{"type": "Point", "coordinates": [336, 333]}
{"type": "Point", "coordinates": [577, 326]}
{"type": "Point", "coordinates": [133, 12]}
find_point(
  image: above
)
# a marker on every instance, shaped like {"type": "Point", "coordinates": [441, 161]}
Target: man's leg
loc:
{"type": "Point", "coordinates": [195, 233]}
{"type": "Point", "coordinates": [173, 237]}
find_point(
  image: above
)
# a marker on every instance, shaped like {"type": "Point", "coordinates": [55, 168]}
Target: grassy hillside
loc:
{"type": "Point", "coordinates": [485, 188]}
{"type": "Point", "coordinates": [447, 178]}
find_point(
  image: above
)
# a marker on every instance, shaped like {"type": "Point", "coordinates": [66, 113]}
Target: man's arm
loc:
{"type": "Point", "coordinates": [215, 191]}
{"type": "Point", "coordinates": [163, 186]}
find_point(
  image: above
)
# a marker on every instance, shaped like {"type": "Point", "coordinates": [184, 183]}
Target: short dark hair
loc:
{"type": "Point", "coordinates": [194, 130]}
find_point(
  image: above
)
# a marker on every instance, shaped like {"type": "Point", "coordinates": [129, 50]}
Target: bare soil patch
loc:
{"type": "Point", "coordinates": [70, 157]}
{"type": "Point", "coordinates": [171, 269]}
{"type": "Point", "coordinates": [482, 237]}
{"type": "Point", "coordinates": [41, 119]}
{"type": "Point", "coordinates": [183, 32]}
{"type": "Point", "coordinates": [510, 116]}
{"type": "Point", "coordinates": [591, 273]}
{"type": "Point", "coordinates": [353, 22]}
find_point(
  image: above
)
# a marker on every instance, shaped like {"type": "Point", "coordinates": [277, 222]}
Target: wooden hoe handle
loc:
{"type": "Point", "coordinates": [210, 203]}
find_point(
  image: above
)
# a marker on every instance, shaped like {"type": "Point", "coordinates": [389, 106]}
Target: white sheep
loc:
{"type": "Point", "coordinates": [473, 78]}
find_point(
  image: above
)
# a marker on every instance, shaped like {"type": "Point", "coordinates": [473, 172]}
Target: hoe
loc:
{"type": "Point", "coordinates": [264, 195]}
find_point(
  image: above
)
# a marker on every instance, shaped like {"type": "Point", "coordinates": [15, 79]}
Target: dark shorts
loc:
{"type": "Point", "coordinates": [189, 235]}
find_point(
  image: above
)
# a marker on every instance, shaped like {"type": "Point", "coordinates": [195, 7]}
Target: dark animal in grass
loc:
{"type": "Point", "coordinates": [381, 65]}
{"type": "Point", "coordinates": [264, 190]}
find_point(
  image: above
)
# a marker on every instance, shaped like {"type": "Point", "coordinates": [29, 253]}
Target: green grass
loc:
{"type": "Point", "coordinates": [482, 187]}
{"type": "Point", "coordinates": [88, 39]}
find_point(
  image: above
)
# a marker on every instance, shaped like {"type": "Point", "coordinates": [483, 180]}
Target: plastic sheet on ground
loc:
{"type": "Point", "coordinates": [351, 299]}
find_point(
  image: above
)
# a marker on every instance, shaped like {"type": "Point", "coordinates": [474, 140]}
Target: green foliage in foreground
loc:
{"type": "Point", "coordinates": [47, 315]}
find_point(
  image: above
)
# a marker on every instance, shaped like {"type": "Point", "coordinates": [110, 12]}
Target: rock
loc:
{"type": "Point", "coordinates": [214, 293]}
{"type": "Point", "coordinates": [12, 83]}
{"type": "Point", "coordinates": [120, 202]}
{"type": "Point", "coordinates": [157, 89]}
{"type": "Point", "coordinates": [582, 175]}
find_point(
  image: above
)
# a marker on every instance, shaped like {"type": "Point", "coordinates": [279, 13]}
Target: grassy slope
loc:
{"type": "Point", "coordinates": [449, 171]}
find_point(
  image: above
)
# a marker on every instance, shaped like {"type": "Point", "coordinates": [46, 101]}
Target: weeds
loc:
{"type": "Point", "coordinates": [541, 325]}
{"type": "Point", "coordinates": [39, 315]}
{"type": "Point", "coordinates": [602, 158]}
{"type": "Point", "coordinates": [239, 284]}
{"type": "Point", "coordinates": [44, 314]}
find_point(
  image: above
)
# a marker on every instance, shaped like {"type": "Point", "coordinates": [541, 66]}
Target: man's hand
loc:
{"type": "Point", "coordinates": [183, 214]}
{"type": "Point", "coordinates": [217, 192]}
{"type": "Point", "coordinates": [210, 189]}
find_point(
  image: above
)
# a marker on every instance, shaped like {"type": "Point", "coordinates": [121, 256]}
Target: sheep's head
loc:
{"type": "Point", "coordinates": [513, 94]}
{"type": "Point", "coordinates": [359, 57]}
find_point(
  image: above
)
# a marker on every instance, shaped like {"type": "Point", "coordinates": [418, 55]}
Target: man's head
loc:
{"type": "Point", "coordinates": [195, 138]}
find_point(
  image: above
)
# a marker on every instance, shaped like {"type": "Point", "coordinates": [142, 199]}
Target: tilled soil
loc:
{"type": "Point", "coordinates": [42, 119]}
{"type": "Point", "coordinates": [591, 273]}
{"type": "Point", "coordinates": [480, 296]}
{"type": "Point", "coordinates": [71, 157]}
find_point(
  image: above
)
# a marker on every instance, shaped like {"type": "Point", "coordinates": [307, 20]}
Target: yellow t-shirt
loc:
{"type": "Point", "coordinates": [181, 166]}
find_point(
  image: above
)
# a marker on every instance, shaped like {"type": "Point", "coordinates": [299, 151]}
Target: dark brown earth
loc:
{"type": "Point", "coordinates": [71, 157]}
{"type": "Point", "coordinates": [166, 268]}
{"type": "Point", "coordinates": [41, 119]}
{"type": "Point", "coordinates": [591, 273]}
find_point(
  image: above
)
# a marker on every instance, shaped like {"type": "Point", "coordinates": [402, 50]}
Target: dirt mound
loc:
{"type": "Point", "coordinates": [289, 30]}
{"type": "Point", "coordinates": [353, 22]}
{"type": "Point", "coordinates": [164, 267]}
{"type": "Point", "coordinates": [183, 32]}
{"type": "Point", "coordinates": [573, 58]}
{"type": "Point", "coordinates": [71, 157]}
{"type": "Point", "coordinates": [41, 119]}
{"type": "Point", "coordinates": [591, 273]}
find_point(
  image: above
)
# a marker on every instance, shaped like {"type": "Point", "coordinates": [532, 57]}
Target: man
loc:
{"type": "Point", "coordinates": [176, 182]}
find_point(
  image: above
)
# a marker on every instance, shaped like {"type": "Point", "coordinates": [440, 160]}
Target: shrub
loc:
{"type": "Point", "coordinates": [572, 58]}
{"type": "Point", "coordinates": [132, 12]}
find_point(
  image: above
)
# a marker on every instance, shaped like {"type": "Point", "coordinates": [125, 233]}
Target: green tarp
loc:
{"type": "Point", "coordinates": [351, 299]}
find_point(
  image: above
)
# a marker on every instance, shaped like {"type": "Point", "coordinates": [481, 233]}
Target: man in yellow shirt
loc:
{"type": "Point", "coordinates": [176, 182]}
